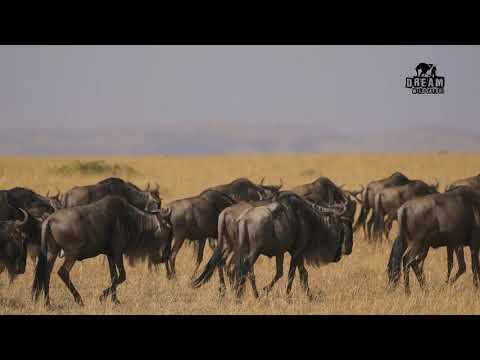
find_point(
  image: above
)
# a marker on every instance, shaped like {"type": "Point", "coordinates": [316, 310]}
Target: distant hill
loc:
{"type": "Point", "coordinates": [221, 138]}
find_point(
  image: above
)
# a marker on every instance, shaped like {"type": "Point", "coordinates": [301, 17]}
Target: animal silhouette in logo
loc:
{"type": "Point", "coordinates": [424, 68]}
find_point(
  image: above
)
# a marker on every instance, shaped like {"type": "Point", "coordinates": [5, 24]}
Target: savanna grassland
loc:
{"type": "Point", "coordinates": [355, 285]}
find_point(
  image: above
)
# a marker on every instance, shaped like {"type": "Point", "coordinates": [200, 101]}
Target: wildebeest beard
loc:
{"type": "Point", "coordinates": [142, 236]}
{"type": "Point", "coordinates": [324, 232]}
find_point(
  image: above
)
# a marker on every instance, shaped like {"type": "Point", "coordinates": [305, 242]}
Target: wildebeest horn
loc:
{"type": "Point", "coordinates": [24, 221]}
{"type": "Point", "coordinates": [166, 212]}
{"type": "Point", "coordinates": [157, 188]}
{"type": "Point", "coordinates": [436, 184]}
{"type": "Point", "coordinates": [148, 187]}
{"type": "Point", "coordinates": [58, 193]}
{"type": "Point", "coordinates": [281, 184]}
{"type": "Point", "coordinates": [261, 181]}
{"type": "Point", "coordinates": [48, 193]}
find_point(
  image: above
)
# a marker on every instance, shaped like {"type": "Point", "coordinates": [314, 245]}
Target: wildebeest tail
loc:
{"type": "Point", "coordinates": [241, 267]}
{"type": "Point", "coordinates": [217, 258]}
{"type": "Point", "coordinates": [379, 213]}
{"type": "Point", "coordinates": [39, 281]}
{"type": "Point", "coordinates": [362, 217]}
{"type": "Point", "coordinates": [398, 249]}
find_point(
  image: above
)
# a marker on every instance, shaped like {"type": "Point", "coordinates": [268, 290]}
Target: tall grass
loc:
{"type": "Point", "coordinates": [355, 285]}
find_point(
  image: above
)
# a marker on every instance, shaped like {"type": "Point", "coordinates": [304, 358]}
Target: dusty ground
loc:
{"type": "Point", "coordinates": [355, 285]}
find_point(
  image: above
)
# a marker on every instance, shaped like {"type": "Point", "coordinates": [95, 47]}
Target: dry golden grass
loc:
{"type": "Point", "coordinates": [355, 285]}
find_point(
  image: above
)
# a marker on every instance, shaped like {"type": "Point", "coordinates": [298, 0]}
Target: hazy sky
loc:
{"type": "Point", "coordinates": [355, 88]}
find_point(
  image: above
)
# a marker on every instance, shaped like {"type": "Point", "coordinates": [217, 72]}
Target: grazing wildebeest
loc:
{"type": "Point", "coordinates": [367, 200]}
{"type": "Point", "coordinates": [287, 224]}
{"type": "Point", "coordinates": [450, 219]}
{"type": "Point", "coordinates": [196, 218]}
{"type": "Point", "coordinates": [13, 254]}
{"type": "Point", "coordinates": [83, 195]}
{"type": "Point", "coordinates": [389, 200]}
{"type": "Point", "coordinates": [473, 182]}
{"type": "Point", "coordinates": [110, 226]}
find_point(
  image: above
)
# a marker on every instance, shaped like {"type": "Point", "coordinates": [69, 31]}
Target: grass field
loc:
{"type": "Point", "coordinates": [355, 285]}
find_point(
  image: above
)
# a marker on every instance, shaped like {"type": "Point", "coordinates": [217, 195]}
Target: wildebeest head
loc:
{"type": "Point", "coordinates": [163, 237]}
{"type": "Point", "coordinates": [153, 199]}
{"type": "Point", "coordinates": [12, 245]}
{"type": "Point", "coordinates": [37, 205]}
{"type": "Point", "coordinates": [268, 191]}
{"type": "Point", "coordinates": [54, 200]}
{"type": "Point", "coordinates": [339, 220]}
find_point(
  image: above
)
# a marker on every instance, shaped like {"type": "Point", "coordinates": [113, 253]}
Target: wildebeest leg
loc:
{"type": "Point", "coordinates": [247, 272]}
{"type": "Point", "coordinates": [278, 273]}
{"type": "Point", "coordinates": [120, 279]}
{"type": "Point", "coordinates": [221, 279]}
{"type": "Point", "coordinates": [291, 275]}
{"type": "Point", "coordinates": [370, 226]}
{"type": "Point", "coordinates": [388, 225]}
{"type": "Point", "coordinates": [64, 273]}
{"type": "Point", "coordinates": [417, 266]}
{"type": "Point", "coordinates": [406, 271]}
{"type": "Point", "coordinates": [251, 278]}
{"type": "Point", "coordinates": [474, 250]}
{"type": "Point", "coordinates": [178, 242]}
{"type": "Point", "coordinates": [461, 263]}
{"type": "Point", "coordinates": [51, 257]}
{"type": "Point", "coordinates": [113, 278]}
{"type": "Point", "coordinates": [449, 262]}
{"type": "Point", "coordinates": [304, 279]}
{"type": "Point", "coordinates": [200, 249]}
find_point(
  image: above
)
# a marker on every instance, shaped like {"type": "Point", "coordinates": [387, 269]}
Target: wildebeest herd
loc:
{"type": "Point", "coordinates": [315, 223]}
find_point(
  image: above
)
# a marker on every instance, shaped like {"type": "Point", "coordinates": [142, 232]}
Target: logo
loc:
{"type": "Point", "coordinates": [426, 81]}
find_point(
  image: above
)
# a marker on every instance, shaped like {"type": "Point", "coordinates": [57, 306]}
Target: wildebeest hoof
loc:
{"type": "Point", "coordinates": [115, 302]}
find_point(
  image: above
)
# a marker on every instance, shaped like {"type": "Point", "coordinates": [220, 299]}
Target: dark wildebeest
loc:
{"type": "Point", "coordinates": [13, 254]}
{"type": "Point", "coordinates": [82, 195]}
{"type": "Point", "coordinates": [423, 68]}
{"type": "Point", "coordinates": [473, 182]}
{"type": "Point", "coordinates": [389, 200]}
{"type": "Point", "coordinates": [110, 226]}
{"type": "Point", "coordinates": [367, 200]}
{"type": "Point", "coordinates": [37, 206]}
{"type": "Point", "coordinates": [323, 191]}
{"type": "Point", "coordinates": [450, 219]}
{"type": "Point", "coordinates": [196, 218]}
{"type": "Point", "coordinates": [287, 224]}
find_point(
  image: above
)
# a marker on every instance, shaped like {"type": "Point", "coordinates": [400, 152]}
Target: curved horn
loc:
{"type": "Point", "coordinates": [157, 188]}
{"type": "Point", "coordinates": [261, 181]}
{"type": "Point", "coordinates": [24, 221]}
{"type": "Point", "coordinates": [281, 184]}
{"type": "Point", "coordinates": [165, 213]}
{"type": "Point", "coordinates": [48, 193]}
{"type": "Point", "coordinates": [148, 186]}
{"type": "Point", "coordinates": [58, 193]}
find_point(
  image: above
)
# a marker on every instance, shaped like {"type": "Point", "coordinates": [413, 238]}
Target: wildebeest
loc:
{"type": "Point", "coordinates": [110, 226]}
{"type": "Point", "coordinates": [287, 224]}
{"type": "Point", "coordinates": [367, 200]}
{"type": "Point", "coordinates": [196, 218]}
{"type": "Point", "coordinates": [389, 200]}
{"type": "Point", "coordinates": [323, 191]}
{"type": "Point", "coordinates": [83, 195]}
{"type": "Point", "coordinates": [37, 206]}
{"type": "Point", "coordinates": [13, 255]}
{"type": "Point", "coordinates": [450, 219]}
{"type": "Point", "coordinates": [473, 182]}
